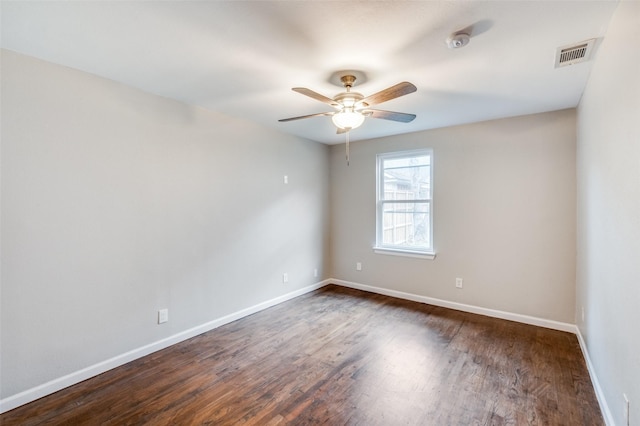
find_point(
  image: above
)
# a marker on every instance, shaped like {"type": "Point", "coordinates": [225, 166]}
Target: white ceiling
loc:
{"type": "Point", "coordinates": [242, 57]}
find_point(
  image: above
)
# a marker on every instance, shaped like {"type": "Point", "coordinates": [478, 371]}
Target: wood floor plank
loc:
{"type": "Point", "coordinates": [341, 356]}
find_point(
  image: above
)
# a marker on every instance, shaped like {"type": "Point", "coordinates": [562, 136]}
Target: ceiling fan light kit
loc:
{"type": "Point", "coordinates": [348, 119]}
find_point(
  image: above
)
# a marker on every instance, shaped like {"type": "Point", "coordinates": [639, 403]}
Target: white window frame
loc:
{"type": "Point", "coordinates": [397, 250]}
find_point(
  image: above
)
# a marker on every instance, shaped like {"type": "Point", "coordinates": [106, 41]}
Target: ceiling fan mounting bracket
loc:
{"type": "Point", "coordinates": [336, 78]}
{"type": "Point", "coordinates": [348, 81]}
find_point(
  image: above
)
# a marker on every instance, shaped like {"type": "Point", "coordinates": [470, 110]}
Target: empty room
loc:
{"type": "Point", "coordinates": [320, 212]}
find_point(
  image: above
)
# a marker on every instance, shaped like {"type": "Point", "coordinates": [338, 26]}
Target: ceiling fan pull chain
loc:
{"type": "Point", "coordinates": [348, 147]}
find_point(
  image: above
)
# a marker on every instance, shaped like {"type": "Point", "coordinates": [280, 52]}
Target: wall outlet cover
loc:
{"type": "Point", "coordinates": [163, 316]}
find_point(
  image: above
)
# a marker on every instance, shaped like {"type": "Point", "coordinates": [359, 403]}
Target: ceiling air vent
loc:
{"type": "Point", "coordinates": [575, 53]}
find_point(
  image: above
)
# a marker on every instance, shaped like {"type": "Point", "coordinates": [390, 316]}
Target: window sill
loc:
{"type": "Point", "coordinates": [405, 253]}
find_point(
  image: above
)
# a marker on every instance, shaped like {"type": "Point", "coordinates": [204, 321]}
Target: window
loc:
{"type": "Point", "coordinates": [404, 203]}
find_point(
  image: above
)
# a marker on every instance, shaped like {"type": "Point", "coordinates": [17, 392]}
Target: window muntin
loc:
{"type": "Point", "coordinates": [404, 201]}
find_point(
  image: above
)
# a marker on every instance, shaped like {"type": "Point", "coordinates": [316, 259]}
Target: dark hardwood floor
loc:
{"type": "Point", "coordinates": [340, 356]}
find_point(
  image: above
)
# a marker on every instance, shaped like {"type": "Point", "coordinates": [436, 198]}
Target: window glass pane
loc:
{"type": "Point", "coordinates": [407, 178]}
{"type": "Point", "coordinates": [419, 160]}
{"type": "Point", "coordinates": [406, 225]}
{"type": "Point", "coordinates": [404, 189]}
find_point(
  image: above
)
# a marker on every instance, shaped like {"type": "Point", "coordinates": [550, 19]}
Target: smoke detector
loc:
{"type": "Point", "coordinates": [458, 40]}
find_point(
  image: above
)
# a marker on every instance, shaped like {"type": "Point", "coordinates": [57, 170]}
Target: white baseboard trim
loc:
{"type": "Point", "coordinates": [604, 407]}
{"type": "Point", "coordinates": [60, 383]}
{"type": "Point", "coordinates": [526, 319]}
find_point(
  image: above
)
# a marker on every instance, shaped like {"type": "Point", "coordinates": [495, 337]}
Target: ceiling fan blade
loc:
{"type": "Point", "coordinates": [389, 93]}
{"type": "Point", "coordinates": [389, 115]}
{"type": "Point", "coordinates": [305, 116]}
{"type": "Point", "coordinates": [317, 96]}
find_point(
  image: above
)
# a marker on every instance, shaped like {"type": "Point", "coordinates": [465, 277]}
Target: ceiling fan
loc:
{"type": "Point", "coordinates": [352, 107]}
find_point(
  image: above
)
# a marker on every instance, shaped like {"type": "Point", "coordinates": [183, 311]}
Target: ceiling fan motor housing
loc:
{"type": "Point", "coordinates": [348, 99]}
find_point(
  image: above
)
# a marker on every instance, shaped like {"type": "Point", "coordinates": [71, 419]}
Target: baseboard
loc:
{"type": "Point", "coordinates": [55, 385]}
{"type": "Point", "coordinates": [526, 319]}
{"type": "Point", "coordinates": [60, 383]}
{"type": "Point", "coordinates": [604, 407]}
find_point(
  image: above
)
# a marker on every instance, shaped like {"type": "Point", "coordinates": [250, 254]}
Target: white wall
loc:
{"type": "Point", "coordinates": [504, 201]}
{"type": "Point", "coordinates": [116, 203]}
{"type": "Point", "coordinates": [608, 265]}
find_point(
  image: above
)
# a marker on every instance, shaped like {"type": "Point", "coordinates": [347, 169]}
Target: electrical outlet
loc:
{"type": "Point", "coordinates": [286, 179]}
{"type": "Point", "coordinates": [163, 316]}
{"type": "Point", "coordinates": [285, 278]}
{"type": "Point", "coordinates": [358, 266]}
{"type": "Point", "coordinates": [458, 282]}
{"type": "Point", "coordinates": [626, 409]}
{"type": "Point", "coordinates": [315, 273]}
